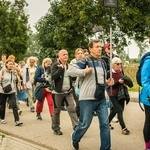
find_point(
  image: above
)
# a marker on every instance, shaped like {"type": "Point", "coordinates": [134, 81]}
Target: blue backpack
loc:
{"type": "Point", "coordinates": [138, 73]}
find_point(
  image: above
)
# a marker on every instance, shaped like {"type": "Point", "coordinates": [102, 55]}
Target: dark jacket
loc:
{"type": "Point", "coordinates": [57, 76]}
{"type": "Point", "coordinates": [106, 59]}
{"type": "Point", "coordinates": [123, 93]}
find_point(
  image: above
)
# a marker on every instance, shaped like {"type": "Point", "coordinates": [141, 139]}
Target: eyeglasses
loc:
{"type": "Point", "coordinates": [118, 64]}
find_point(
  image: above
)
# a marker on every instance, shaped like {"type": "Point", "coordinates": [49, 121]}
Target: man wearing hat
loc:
{"type": "Point", "coordinates": [106, 58]}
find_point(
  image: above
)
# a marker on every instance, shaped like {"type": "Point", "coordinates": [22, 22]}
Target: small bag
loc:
{"type": "Point", "coordinates": [100, 88]}
{"type": "Point", "coordinates": [99, 91]}
{"type": "Point", "coordinates": [7, 88]}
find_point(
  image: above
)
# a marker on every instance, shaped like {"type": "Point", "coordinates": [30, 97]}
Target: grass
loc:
{"type": "Point", "coordinates": [130, 70]}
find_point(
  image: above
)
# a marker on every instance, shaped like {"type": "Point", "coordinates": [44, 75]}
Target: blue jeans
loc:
{"type": "Point", "coordinates": [87, 108]}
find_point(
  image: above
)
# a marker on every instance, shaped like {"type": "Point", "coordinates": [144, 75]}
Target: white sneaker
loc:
{"type": "Point", "coordinates": [3, 121]}
{"type": "Point", "coordinates": [115, 120]}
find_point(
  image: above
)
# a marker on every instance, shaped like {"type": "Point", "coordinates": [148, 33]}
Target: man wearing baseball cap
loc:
{"type": "Point", "coordinates": [106, 56]}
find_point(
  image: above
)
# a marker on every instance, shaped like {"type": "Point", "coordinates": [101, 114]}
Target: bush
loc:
{"type": "Point", "coordinates": [130, 70]}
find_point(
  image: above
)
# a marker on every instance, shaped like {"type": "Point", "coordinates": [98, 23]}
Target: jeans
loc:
{"type": "Point", "coordinates": [87, 109]}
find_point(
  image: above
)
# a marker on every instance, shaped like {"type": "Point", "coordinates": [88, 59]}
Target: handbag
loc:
{"type": "Point", "coordinates": [100, 88]}
{"type": "Point", "coordinates": [7, 88]}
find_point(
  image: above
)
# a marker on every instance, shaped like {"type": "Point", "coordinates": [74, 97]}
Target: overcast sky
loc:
{"type": "Point", "coordinates": [36, 9]}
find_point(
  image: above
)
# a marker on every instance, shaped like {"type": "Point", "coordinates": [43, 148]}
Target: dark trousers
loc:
{"type": "Point", "coordinates": [146, 129]}
{"type": "Point", "coordinates": [118, 107]}
{"type": "Point", "coordinates": [12, 102]}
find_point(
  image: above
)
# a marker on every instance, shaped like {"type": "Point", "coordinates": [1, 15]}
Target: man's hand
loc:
{"type": "Point", "coordinates": [88, 70]}
{"type": "Point", "coordinates": [110, 82]}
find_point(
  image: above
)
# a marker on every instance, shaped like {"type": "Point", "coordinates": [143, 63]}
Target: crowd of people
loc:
{"type": "Point", "coordinates": [79, 85]}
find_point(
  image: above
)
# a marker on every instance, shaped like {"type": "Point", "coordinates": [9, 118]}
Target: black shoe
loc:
{"type": "Point", "coordinates": [58, 132]}
{"type": "Point", "coordinates": [75, 145]}
{"type": "Point", "coordinates": [111, 128]}
{"type": "Point", "coordinates": [18, 123]}
{"type": "Point", "coordinates": [38, 117]}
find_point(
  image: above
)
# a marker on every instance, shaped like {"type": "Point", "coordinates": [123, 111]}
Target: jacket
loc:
{"type": "Point", "coordinates": [145, 80]}
{"type": "Point", "coordinates": [57, 76]}
{"type": "Point", "coordinates": [123, 93]}
{"type": "Point", "coordinates": [26, 76]}
{"type": "Point", "coordinates": [88, 86]}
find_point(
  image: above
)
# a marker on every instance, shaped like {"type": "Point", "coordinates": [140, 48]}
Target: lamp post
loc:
{"type": "Point", "coordinates": [111, 4]}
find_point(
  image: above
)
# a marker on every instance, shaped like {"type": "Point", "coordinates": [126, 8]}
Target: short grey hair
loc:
{"type": "Point", "coordinates": [116, 60]}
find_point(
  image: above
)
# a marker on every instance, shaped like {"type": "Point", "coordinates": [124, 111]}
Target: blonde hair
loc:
{"type": "Point", "coordinates": [45, 60]}
{"type": "Point", "coordinates": [77, 50]}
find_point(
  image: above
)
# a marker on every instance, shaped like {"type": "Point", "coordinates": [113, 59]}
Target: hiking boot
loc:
{"type": "Point", "coordinates": [58, 132]}
{"type": "Point", "coordinates": [38, 117]}
{"type": "Point", "coordinates": [18, 123]}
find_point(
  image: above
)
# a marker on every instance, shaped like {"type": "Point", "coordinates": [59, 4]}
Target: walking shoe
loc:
{"type": "Point", "coordinates": [18, 123]}
{"type": "Point", "coordinates": [58, 132]}
{"type": "Point", "coordinates": [115, 120]}
{"type": "Point", "coordinates": [32, 109]}
{"type": "Point", "coordinates": [75, 145]}
{"type": "Point", "coordinates": [38, 117]}
{"type": "Point", "coordinates": [3, 121]}
{"type": "Point", "coordinates": [111, 128]}
{"type": "Point", "coordinates": [125, 131]}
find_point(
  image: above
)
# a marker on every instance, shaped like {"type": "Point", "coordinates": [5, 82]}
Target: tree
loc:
{"type": "Point", "coordinates": [68, 24]}
{"type": "Point", "coordinates": [13, 28]}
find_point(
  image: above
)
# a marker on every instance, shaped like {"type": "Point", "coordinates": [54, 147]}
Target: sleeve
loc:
{"type": "Point", "coordinates": [145, 76]}
{"type": "Point", "coordinates": [38, 74]}
{"type": "Point", "coordinates": [56, 71]}
{"type": "Point", "coordinates": [78, 69]}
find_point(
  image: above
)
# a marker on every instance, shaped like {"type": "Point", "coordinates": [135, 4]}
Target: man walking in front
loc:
{"type": "Point", "coordinates": [87, 101]}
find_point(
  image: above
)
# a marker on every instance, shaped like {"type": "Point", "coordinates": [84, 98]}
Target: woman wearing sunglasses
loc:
{"type": "Point", "coordinates": [118, 105]}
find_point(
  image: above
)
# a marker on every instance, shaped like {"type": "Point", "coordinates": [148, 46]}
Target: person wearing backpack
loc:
{"type": "Point", "coordinates": [144, 98]}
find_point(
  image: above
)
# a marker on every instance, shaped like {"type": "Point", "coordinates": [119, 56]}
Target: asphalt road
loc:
{"type": "Point", "coordinates": [39, 136]}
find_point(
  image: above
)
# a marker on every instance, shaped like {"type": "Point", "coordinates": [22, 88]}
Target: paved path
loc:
{"type": "Point", "coordinates": [37, 135]}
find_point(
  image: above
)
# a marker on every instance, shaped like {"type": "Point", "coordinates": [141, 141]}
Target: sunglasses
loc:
{"type": "Point", "coordinates": [118, 64]}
